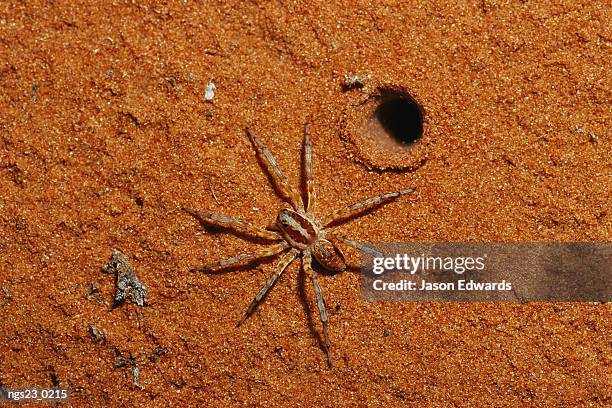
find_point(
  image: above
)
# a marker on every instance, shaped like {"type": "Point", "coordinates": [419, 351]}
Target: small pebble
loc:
{"type": "Point", "coordinates": [209, 93]}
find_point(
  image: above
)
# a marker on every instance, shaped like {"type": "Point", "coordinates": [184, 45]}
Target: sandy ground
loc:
{"type": "Point", "coordinates": [105, 135]}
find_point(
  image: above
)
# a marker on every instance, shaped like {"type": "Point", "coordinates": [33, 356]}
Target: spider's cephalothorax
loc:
{"type": "Point", "coordinates": [302, 233]}
{"type": "Point", "coordinates": [296, 231]}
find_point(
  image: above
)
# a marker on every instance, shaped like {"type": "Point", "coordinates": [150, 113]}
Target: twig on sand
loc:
{"type": "Point", "coordinates": [212, 191]}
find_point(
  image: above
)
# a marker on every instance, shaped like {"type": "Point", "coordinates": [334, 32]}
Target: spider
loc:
{"type": "Point", "coordinates": [296, 231]}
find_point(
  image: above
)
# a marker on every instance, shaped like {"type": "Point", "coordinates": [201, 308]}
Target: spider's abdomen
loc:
{"type": "Point", "coordinates": [329, 256]}
{"type": "Point", "coordinates": [297, 229]}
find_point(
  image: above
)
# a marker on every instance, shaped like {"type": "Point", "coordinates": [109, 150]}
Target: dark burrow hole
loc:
{"type": "Point", "coordinates": [399, 116]}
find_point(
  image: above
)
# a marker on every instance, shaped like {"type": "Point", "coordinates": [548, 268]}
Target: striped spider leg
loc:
{"type": "Point", "coordinates": [361, 207]}
{"type": "Point", "coordinates": [280, 268]}
{"type": "Point", "coordinates": [295, 231]}
{"type": "Point", "coordinates": [240, 227]}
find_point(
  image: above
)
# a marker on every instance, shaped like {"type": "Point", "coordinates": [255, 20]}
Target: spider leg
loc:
{"type": "Point", "coordinates": [282, 264]}
{"type": "Point", "coordinates": [243, 258]}
{"type": "Point", "coordinates": [338, 237]}
{"type": "Point", "coordinates": [280, 180]}
{"type": "Point", "coordinates": [233, 224]}
{"type": "Point", "coordinates": [307, 265]}
{"type": "Point", "coordinates": [357, 208]}
{"type": "Point", "coordinates": [311, 194]}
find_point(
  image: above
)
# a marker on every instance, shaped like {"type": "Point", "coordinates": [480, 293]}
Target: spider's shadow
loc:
{"type": "Point", "coordinates": [303, 296]}
{"type": "Point", "coordinates": [216, 230]}
{"type": "Point", "coordinates": [353, 269]}
{"type": "Point", "coordinates": [308, 308]}
{"type": "Point", "coordinates": [242, 266]}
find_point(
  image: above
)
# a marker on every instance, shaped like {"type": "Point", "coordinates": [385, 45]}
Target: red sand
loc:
{"type": "Point", "coordinates": [105, 134]}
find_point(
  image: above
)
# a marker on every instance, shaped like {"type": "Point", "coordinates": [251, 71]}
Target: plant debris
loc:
{"type": "Point", "coordinates": [129, 362]}
{"type": "Point", "coordinates": [354, 81]}
{"type": "Point", "coordinates": [98, 335]}
{"type": "Point", "coordinates": [127, 285]}
{"type": "Point", "coordinates": [7, 295]}
{"type": "Point", "coordinates": [91, 290]}
{"type": "Point", "coordinates": [135, 373]}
